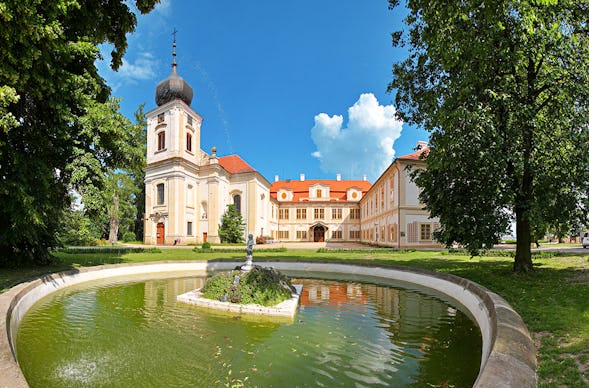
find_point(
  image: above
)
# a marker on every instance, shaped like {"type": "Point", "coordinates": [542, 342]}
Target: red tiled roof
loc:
{"type": "Point", "coordinates": [416, 155]}
{"type": "Point", "coordinates": [337, 189]}
{"type": "Point", "coordinates": [235, 165]}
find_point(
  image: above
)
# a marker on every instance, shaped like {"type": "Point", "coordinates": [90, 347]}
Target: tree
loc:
{"type": "Point", "coordinates": [503, 87]}
{"type": "Point", "coordinates": [112, 190]}
{"type": "Point", "coordinates": [48, 84]}
{"type": "Point", "coordinates": [232, 227]}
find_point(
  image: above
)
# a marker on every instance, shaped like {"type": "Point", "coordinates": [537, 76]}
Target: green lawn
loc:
{"type": "Point", "coordinates": [553, 300]}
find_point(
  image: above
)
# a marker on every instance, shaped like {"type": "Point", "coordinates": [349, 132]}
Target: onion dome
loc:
{"type": "Point", "coordinates": [173, 87]}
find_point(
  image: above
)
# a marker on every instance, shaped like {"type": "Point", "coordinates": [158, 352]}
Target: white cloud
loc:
{"type": "Point", "coordinates": [365, 146]}
{"type": "Point", "coordinates": [144, 67]}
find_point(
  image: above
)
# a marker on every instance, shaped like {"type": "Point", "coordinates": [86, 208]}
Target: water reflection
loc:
{"type": "Point", "coordinates": [345, 333]}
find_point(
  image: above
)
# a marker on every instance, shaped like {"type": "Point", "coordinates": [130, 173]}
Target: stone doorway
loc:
{"type": "Point", "coordinates": [319, 234]}
{"type": "Point", "coordinates": [160, 236]}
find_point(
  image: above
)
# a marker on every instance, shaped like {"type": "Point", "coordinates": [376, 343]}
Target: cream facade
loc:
{"type": "Point", "coordinates": [186, 189]}
{"type": "Point", "coordinates": [317, 210]}
{"type": "Point", "coordinates": [391, 212]}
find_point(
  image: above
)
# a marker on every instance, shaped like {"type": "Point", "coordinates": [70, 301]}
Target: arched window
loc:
{"type": "Point", "coordinates": [160, 194]}
{"type": "Point", "coordinates": [189, 142]}
{"type": "Point", "coordinates": [237, 202]}
{"type": "Point", "coordinates": [161, 140]}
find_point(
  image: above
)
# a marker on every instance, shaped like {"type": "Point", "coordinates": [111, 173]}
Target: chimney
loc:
{"type": "Point", "coordinates": [276, 178]}
{"type": "Point", "coordinates": [302, 177]}
{"type": "Point", "coordinates": [364, 178]}
{"type": "Point", "coordinates": [338, 177]}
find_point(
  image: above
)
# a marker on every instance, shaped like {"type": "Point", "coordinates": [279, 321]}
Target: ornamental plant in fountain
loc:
{"type": "Point", "coordinates": [263, 286]}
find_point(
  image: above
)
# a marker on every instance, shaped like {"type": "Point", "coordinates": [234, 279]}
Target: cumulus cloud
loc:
{"type": "Point", "coordinates": [143, 67]}
{"type": "Point", "coordinates": [365, 146]}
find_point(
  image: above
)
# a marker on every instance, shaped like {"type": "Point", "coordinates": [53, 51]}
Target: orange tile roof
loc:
{"type": "Point", "coordinates": [416, 155]}
{"type": "Point", "coordinates": [337, 189]}
{"type": "Point", "coordinates": [235, 165]}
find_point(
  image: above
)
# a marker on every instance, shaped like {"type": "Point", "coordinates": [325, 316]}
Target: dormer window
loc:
{"type": "Point", "coordinates": [319, 193]}
{"type": "Point", "coordinates": [160, 118]}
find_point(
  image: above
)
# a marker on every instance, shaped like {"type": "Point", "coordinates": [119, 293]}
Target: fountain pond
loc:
{"type": "Point", "coordinates": [349, 330]}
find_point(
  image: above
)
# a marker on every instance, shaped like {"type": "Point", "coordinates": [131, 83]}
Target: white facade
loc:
{"type": "Point", "coordinates": [188, 190]}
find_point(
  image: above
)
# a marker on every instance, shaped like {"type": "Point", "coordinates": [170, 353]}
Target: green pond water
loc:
{"type": "Point", "coordinates": [346, 333]}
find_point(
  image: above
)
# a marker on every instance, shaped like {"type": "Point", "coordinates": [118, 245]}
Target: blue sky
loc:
{"type": "Point", "coordinates": [291, 87]}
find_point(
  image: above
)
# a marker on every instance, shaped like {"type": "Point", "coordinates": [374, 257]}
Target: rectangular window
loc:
{"type": "Point", "coordinates": [319, 214]}
{"type": "Point", "coordinates": [336, 214]}
{"type": "Point", "coordinates": [355, 214]}
{"type": "Point", "coordinates": [189, 228]}
{"type": "Point", "coordinates": [283, 234]}
{"type": "Point", "coordinates": [283, 214]}
{"type": "Point", "coordinates": [354, 234]}
{"type": "Point", "coordinates": [160, 194]}
{"type": "Point", "coordinates": [301, 234]}
{"type": "Point", "coordinates": [189, 120]}
{"type": "Point", "coordinates": [161, 140]}
{"type": "Point", "coordinates": [336, 234]}
{"type": "Point", "coordinates": [188, 142]}
{"type": "Point", "coordinates": [160, 118]}
{"type": "Point", "coordinates": [319, 193]}
{"type": "Point", "coordinates": [425, 231]}
{"type": "Point", "coordinates": [301, 214]}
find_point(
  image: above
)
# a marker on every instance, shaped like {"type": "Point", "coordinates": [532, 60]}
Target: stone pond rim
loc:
{"type": "Point", "coordinates": [508, 357]}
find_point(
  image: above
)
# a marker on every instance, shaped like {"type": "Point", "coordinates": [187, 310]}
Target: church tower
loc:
{"type": "Point", "coordinates": [187, 190]}
{"type": "Point", "coordinates": [173, 156]}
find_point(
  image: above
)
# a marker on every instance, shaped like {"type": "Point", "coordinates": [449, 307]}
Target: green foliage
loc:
{"type": "Point", "coordinates": [77, 229]}
{"type": "Point", "coordinates": [50, 95]}
{"type": "Point", "coordinates": [232, 227]}
{"type": "Point", "coordinates": [504, 90]}
{"type": "Point", "coordinates": [263, 286]}
{"type": "Point", "coordinates": [128, 236]}
{"type": "Point", "coordinates": [108, 250]}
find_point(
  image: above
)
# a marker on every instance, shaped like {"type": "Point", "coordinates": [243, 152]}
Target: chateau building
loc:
{"type": "Point", "coordinates": [187, 190]}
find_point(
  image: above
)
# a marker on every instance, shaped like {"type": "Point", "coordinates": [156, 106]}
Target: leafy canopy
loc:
{"type": "Point", "coordinates": [50, 91]}
{"type": "Point", "coordinates": [503, 87]}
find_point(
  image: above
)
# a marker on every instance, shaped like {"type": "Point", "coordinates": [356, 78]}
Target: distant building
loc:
{"type": "Point", "coordinates": [317, 210]}
{"type": "Point", "coordinates": [187, 190]}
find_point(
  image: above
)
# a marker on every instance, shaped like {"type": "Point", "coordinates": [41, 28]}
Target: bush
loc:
{"type": "Point", "coordinates": [260, 240]}
{"type": "Point", "coordinates": [263, 286]}
{"type": "Point", "coordinates": [128, 236]}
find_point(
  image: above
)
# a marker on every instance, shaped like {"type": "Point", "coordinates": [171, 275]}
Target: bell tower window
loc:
{"type": "Point", "coordinates": [161, 140]}
{"type": "Point", "coordinates": [189, 142]}
{"type": "Point", "coordinates": [160, 118]}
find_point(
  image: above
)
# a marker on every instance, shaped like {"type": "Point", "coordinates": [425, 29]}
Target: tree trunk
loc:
{"type": "Point", "coordinates": [114, 220]}
{"type": "Point", "coordinates": [523, 252]}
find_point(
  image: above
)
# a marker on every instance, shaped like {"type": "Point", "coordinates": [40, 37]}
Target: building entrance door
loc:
{"type": "Point", "coordinates": [319, 234]}
{"type": "Point", "coordinates": [160, 233]}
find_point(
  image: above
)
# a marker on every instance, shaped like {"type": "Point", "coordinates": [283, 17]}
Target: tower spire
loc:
{"type": "Point", "coordinates": [173, 87]}
{"type": "Point", "coordinates": [174, 64]}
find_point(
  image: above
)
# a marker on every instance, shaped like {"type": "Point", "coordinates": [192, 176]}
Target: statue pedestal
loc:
{"type": "Point", "coordinates": [248, 264]}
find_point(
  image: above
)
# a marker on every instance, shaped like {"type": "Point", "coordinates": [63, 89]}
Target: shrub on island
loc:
{"type": "Point", "coordinates": [260, 285]}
